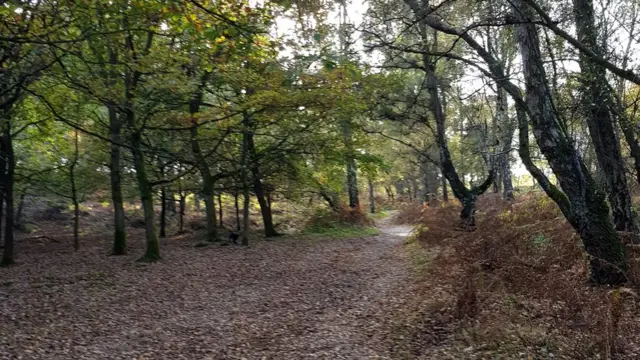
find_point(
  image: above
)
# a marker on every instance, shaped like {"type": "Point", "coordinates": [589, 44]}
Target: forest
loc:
{"type": "Point", "coordinates": [278, 179]}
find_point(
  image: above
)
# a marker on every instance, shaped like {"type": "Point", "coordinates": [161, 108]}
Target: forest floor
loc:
{"type": "Point", "coordinates": [291, 298]}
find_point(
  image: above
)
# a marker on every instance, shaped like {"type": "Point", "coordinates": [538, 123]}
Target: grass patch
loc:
{"type": "Point", "coordinates": [339, 230]}
{"type": "Point", "coordinates": [379, 214]}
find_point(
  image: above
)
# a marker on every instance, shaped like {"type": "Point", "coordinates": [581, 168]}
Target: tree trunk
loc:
{"type": "Point", "coordinates": [152, 252]}
{"type": "Point", "coordinates": [445, 190]}
{"type": "Point", "coordinates": [258, 188]}
{"type": "Point", "coordinates": [466, 196]}
{"type": "Point", "coordinates": [390, 195]}
{"type": "Point", "coordinates": [208, 181]}
{"type": "Point", "coordinates": [237, 206]}
{"type": "Point", "coordinates": [220, 214]}
{"type": "Point", "coordinates": [245, 186]}
{"type": "Point", "coordinates": [468, 212]}
{"type": "Point", "coordinates": [8, 182]}
{"type": "Point", "coordinates": [350, 161]}
{"type": "Point", "coordinates": [171, 203]}
{"type": "Point", "coordinates": [163, 212]}
{"type": "Point", "coordinates": [632, 140]}
{"type": "Point", "coordinates": [582, 203]}
{"type": "Point", "coordinates": [115, 174]}
{"type": "Point", "coordinates": [183, 206]}
{"type": "Point", "coordinates": [18, 218]}
{"type": "Point", "coordinates": [506, 139]}
{"type": "Point", "coordinates": [74, 195]}
{"type": "Point", "coordinates": [210, 213]}
{"type": "Point", "coordinates": [599, 112]}
{"type": "Point", "coordinates": [196, 202]}
{"type": "Point", "coordinates": [372, 198]}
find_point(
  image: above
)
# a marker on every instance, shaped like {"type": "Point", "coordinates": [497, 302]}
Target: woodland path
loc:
{"type": "Point", "coordinates": [287, 299]}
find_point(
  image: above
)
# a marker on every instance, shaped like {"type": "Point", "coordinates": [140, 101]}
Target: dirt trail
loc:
{"type": "Point", "coordinates": [288, 299]}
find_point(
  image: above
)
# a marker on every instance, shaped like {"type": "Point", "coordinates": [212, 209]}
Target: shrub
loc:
{"type": "Point", "coordinates": [521, 276]}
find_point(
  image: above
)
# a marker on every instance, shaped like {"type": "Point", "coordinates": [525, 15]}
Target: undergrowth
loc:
{"type": "Point", "coordinates": [347, 223]}
{"type": "Point", "coordinates": [513, 289]}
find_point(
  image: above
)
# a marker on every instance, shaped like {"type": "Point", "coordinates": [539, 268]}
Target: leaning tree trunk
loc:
{"type": "Point", "coordinates": [115, 174]}
{"type": "Point", "coordinates": [583, 204]}
{"type": "Point", "coordinates": [466, 196]}
{"type": "Point", "coordinates": [600, 112]}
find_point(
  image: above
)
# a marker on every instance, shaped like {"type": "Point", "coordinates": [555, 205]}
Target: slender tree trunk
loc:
{"type": "Point", "coordinates": [445, 190]}
{"type": "Point", "coordinates": [74, 195]}
{"type": "Point", "coordinates": [183, 207]}
{"type": "Point", "coordinates": [502, 114]}
{"type": "Point", "coordinates": [466, 196]}
{"type": "Point", "coordinates": [196, 201]}
{"type": "Point", "coordinates": [245, 186]}
{"type": "Point", "coordinates": [237, 206]}
{"type": "Point", "coordinates": [258, 188]}
{"type": "Point", "coordinates": [220, 210]}
{"type": "Point", "coordinates": [115, 174]}
{"type": "Point", "coordinates": [414, 188]}
{"type": "Point", "coordinates": [208, 180]}
{"type": "Point", "coordinates": [171, 203]}
{"type": "Point", "coordinates": [350, 161]}
{"type": "Point", "coordinates": [372, 198]}
{"type": "Point", "coordinates": [390, 195]}
{"type": "Point", "coordinates": [269, 199]}
{"type": "Point", "coordinates": [7, 151]}
{"type": "Point", "coordinates": [163, 212]}
{"type": "Point", "coordinates": [19, 212]}
{"type": "Point", "coordinates": [152, 252]}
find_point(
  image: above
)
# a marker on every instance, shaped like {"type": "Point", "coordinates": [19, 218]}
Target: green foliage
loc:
{"type": "Point", "coordinates": [339, 230]}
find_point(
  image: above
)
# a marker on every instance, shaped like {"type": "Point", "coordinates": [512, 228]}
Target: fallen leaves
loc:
{"type": "Point", "coordinates": [288, 299]}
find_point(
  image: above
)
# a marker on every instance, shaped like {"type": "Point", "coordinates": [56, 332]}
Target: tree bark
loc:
{"type": "Point", "coordinates": [152, 252]}
{"type": "Point", "coordinates": [445, 190]}
{"type": "Point", "coordinates": [350, 161]}
{"type": "Point", "coordinates": [599, 113]}
{"type": "Point", "coordinates": [183, 207]}
{"type": "Point", "coordinates": [8, 182]}
{"type": "Point", "coordinates": [372, 198]}
{"type": "Point", "coordinates": [74, 195]}
{"type": "Point", "coordinates": [237, 206]}
{"type": "Point", "coordinates": [466, 196]}
{"type": "Point", "coordinates": [582, 203]}
{"type": "Point", "coordinates": [258, 188]}
{"type": "Point", "coordinates": [208, 180]}
{"type": "Point", "coordinates": [163, 212]}
{"type": "Point", "coordinates": [245, 186]}
{"type": "Point", "coordinates": [19, 212]}
{"type": "Point", "coordinates": [504, 167]}
{"type": "Point", "coordinates": [115, 175]}
{"type": "Point", "coordinates": [220, 210]}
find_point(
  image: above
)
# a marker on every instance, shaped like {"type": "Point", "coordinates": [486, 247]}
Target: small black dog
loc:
{"type": "Point", "coordinates": [234, 236]}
